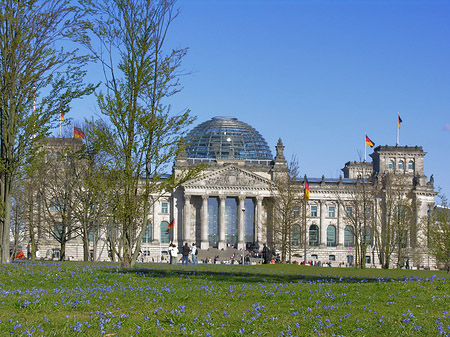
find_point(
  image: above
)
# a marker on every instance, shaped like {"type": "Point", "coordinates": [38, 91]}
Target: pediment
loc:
{"type": "Point", "coordinates": [229, 177]}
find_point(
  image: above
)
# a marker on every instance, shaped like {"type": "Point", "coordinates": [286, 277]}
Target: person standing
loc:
{"type": "Point", "coordinates": [173, 251]}
{"type": "Point", "coordinates": [185, 252]}
{"type": "Point", "coordinates": [266, 254]}
{"type": "Point", "coordinates": [194, 254]}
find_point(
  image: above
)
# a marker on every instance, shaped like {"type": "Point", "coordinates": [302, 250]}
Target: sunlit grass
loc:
{"type": "Point", "coordinates": [88, 299]}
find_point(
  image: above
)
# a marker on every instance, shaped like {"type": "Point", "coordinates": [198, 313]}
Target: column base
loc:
{"type": "Point", "coordinates": [204, 245]}
{"type": "Point", "coordinates": [241, 245]}
{"type": "Point", "coordinates": [222, 245]}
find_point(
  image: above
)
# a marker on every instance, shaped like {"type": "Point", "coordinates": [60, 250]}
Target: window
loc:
{"type": "Point", "coordinates": [56, 254]}
{"type": "Point", "coordinates": [348, 236]}
{"type": "Point", "coordinates": [349, 212]}
{"type": "Point", "coordinates": [295, 235]}
{"type": "Point", "coordinates": [367, 237]}
{"type": "Point", "coordinates": [314, 257]}
{"type": "Point", "coordinates": [58, 232]}
{"type": "Point", "coordinates": [296, 212]}
{"type": "Point", "coordinates": [403, 239]}
{"type": "Point", "coordinates": [368, 213]}
{"type": "Point", "coordinates": [411, 165]}
{"type": "Point", "coordinates": [147, 237]}
{"type": "Point", "coordinates": [391, 164]}
{"type": "Point", "coordinates": [314, 211]}
{"type": "Point", "coordinates": [165, 207]}
{"type": "Point", "coordinates": [164, 232]}
{"type": "Point", "coordinates": [332, 212]}
{"type": "Point", "coordinates": [332, 257]}
{"type": "Point", "coordinates": [401, 165]}
{"type": "Point", "coordinates": [56, 204]}
{"type": "Point", "coordinates": [313, 235]}
{"type": "Point", "coordinates": [367, 259]}
{"type": "Point", "coordinates": [331, 236]}
{"type": "Point", "coordinates": [92, 234]}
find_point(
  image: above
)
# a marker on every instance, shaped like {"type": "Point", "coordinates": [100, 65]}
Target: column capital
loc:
{"type": "Point", "coordinates": [259, 198]}
{"type": "Point", "coordinates": [205, 197]}
{"type": "Point", "coordinates": [241, 198]}
{"type": "Point", "coordinates": [222, 197]}
{"type": "Point", "coordinates": [187, 197]}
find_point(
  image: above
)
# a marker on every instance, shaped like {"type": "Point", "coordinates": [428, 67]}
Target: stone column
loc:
{"type": "Point", "coordinates": [241, 213]}
{"type": "Point", "coordinates": [322, 227]}
{"type": "Point", "coordinates": [222, 243]}
{"type": "Point", "coordinates": [204, 244]}
{"type": "Point", "coordinates": [187, 219]}
{"type": "Point", "coordinates": [258, 221]}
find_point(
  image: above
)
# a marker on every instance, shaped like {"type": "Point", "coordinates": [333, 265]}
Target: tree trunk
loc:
{"type": "Point", "coordinates": [5, 218]}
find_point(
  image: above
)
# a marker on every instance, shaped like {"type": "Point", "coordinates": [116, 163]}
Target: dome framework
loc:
{"type": "Point", "coordinates": [226, 138]}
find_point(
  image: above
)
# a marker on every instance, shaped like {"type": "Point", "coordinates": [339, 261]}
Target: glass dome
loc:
{"type": "Point", "coordinates": [226, 138]}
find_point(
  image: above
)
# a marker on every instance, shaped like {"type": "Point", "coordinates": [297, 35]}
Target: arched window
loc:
{"type": "Point", "coordinates": [164, 232]}
{"type": "Point", "coordinates": [331, 236]}
{"type": "Point", "coordinates": [367, 237]}
{"type": "Point", "coordinates": [401, 165]}
{"type": "Point", "coordinates": [313, 235]}
{"type": "Point", "coordinates": [403, 239]}
{"type": "Point", "coordinates": [147, 237]}
{"type": "Point", "coordinates": [391, 164]}
{"type": "Point", "coordinates": [295, 236]}
{"type": "Point", "coordinates": [348, 236]}
{"type": "Point", "coordinates": [410, 165]}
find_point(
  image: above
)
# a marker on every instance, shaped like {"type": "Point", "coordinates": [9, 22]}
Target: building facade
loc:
{"type": "Point", "coordinates": [228, 205]}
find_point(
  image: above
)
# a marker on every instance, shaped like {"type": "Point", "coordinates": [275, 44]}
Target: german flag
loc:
{"type": "Point", "coordinates": [78, 133]}
{"type": "Point", "coordinates": [369, 142]}
{"type": "Point", "coordinates": [306, 196]}
{"type": "Point", "coordinates": [62, 116]}
{"type": "Point", "coordinates": [399, 122]}
{"type": "Point", "coordinates": [172, 223]}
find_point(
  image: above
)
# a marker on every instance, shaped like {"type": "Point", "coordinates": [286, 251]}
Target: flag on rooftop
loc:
{"type": "Point", "coordinates": [78, 133]}
{"type": "Point", "coordinates": [369, 142]}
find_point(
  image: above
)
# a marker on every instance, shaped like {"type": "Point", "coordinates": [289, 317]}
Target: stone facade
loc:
{"type": "Point", "coordinates": [227, 206]}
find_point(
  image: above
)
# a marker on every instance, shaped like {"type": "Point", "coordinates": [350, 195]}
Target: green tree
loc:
{"type": "Point", "coordinates": [33, 62]}
{"type": "Point", "coordinates": [139, 134]}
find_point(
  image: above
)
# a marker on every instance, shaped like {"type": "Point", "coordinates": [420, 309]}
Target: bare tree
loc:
{"type": "Point", "coordinates": [89, 195]}
{"type": "Point", "coordinates": [35, 58]}
{"type": "Point", "coordinates": [286, 212]}
{"type": "Point", "coordinates": [439, 233]}
{"type": "Point", "coordinates": [395, 217]}
{"type": "Point", "coordinates": [359, 204]}
{"type": "Point", "coordinates": [58, 194]}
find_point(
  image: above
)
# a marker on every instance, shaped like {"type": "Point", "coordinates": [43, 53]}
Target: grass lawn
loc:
{"type": "Point", "coordinates": [101, 299]}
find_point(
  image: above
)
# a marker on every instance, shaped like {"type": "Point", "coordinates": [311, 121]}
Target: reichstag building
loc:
{"type": "Point", "coordinates": [231, 203]}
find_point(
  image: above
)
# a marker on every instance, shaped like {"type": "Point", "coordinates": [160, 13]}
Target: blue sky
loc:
{"type": "Point", "coordinates": [319, 74]}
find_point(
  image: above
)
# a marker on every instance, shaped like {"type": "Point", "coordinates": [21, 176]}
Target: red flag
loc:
{"type": "Point", "coordinates": [62, 116]}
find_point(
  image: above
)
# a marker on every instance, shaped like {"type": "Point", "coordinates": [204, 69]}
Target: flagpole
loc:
{"type": "Point", "coordinates": [365, 146]}
{"type": "Point", "coordinates": [398, 129]}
